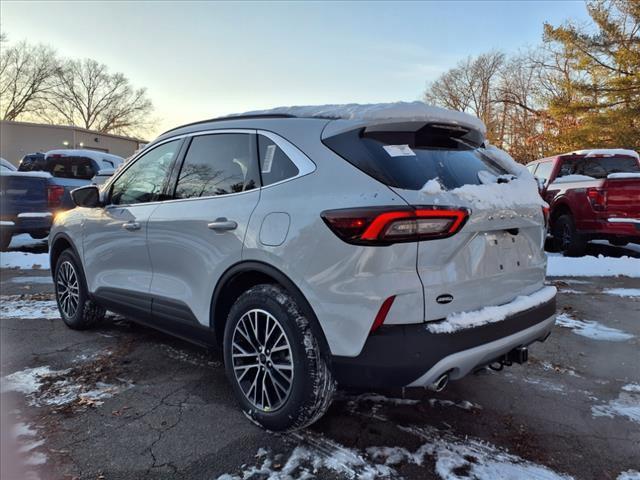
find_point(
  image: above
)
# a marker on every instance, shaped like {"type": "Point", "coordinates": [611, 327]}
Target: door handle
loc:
{"type": "Point", "coordinates": [222, 224]}
{"type": "Point", "coordinates": [131, 226]}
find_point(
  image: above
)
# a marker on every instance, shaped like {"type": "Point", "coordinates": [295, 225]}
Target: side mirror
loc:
{"type": "Point", "coordinates": [87, 197]}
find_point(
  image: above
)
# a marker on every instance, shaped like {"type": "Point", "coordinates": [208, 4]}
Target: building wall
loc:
{"type": "Point", "coordinates": [20, 138]}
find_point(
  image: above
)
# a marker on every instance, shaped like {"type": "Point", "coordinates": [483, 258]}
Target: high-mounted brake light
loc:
{"type": "Point", "coordinates": [388, 225]}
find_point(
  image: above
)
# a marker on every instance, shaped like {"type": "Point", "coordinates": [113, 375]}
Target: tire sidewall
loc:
{"type": "Point", "coordinates": [298, 332]}
{"type": "Point", "coordinates": [77, 321]}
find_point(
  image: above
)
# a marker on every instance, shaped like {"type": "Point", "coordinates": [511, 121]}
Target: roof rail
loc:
{"type": "Point", "coordinates": [234, 117]}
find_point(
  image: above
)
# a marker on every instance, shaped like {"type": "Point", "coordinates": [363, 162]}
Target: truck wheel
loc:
{"type": "Point", "coordinates": [39, 235]}
{"type": "Point", "coordinates": [77, 310]}
{"type": "Point", "coordinates": [274, 362]}
{"type": "Point", "coordinates": [5, 241]}
{"type": "Point", "coordinates": [568, 239]}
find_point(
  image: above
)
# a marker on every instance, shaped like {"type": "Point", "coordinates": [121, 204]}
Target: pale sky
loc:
{"type": "Point", "coordinates": [201, 60]}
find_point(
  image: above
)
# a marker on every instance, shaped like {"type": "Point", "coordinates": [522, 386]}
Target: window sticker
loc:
{"type": "Point", "coordinates": [399, 151]}
{"type": "Point", "coordinates": [268, 159]}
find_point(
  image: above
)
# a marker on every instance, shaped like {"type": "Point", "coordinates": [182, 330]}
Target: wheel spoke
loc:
{"type": "Point", "coordinates": [263, 368]}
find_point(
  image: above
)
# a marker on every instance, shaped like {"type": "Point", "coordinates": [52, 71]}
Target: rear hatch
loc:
{"type": "Point", "coordinates": [22, 192]}
{"type": "Point", "coordinates": [498, 254]}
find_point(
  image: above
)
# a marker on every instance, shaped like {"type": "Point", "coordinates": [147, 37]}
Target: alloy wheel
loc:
{"type": "Point", "coordinates": [262, 360]}
{"type": "Point", "coordinates": [67, 289]}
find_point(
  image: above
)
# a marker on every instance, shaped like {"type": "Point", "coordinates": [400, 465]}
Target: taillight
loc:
{"type": "Point", "coordinates": [545, 214]}
{"type": "Point", "coordinates": [54, 195]}
{"type": "Point", "coordinates": [597, 197]}
{"type": "Point", "coordinates": [388, 225]}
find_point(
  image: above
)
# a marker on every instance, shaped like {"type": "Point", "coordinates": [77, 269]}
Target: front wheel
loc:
{"type": "Point", "coordinates": [274, 362]}
{"type": "Point", "coordinates": [77, 310]}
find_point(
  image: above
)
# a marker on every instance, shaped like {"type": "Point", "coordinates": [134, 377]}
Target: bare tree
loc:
{"type": "Point", "coordinates": [26, 72]}
{"type": "Point", "coordinates": [87, 95]}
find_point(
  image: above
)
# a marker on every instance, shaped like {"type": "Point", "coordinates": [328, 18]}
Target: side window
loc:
{"type": "Point", "coordinates": [532, 168]}
{"type": "Point", "coordinates": [275, 166]}
{"type": "Point", "coordinates": [568, 167]}
{"type": "Point", "coordinates": [544, 170]}
{"type": "Point", "coordinates": [219, 164]}
{"type": "Point", "coordinates": [144, 180]}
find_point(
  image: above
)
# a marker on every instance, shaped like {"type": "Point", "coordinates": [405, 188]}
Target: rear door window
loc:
{"type": "Point", "coordinates": [219, 164]}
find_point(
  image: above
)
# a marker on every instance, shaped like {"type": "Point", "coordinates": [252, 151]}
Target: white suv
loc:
{"type": "Point", "coordinates": [372, 247]}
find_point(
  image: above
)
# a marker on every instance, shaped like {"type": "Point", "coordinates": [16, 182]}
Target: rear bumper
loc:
{"type": "Point", "coordinates": [27, 222]}
{"type": "Point", "coordinates": [410, 355]}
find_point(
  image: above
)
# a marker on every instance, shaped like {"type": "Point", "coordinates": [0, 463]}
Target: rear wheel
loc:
{"type": "Point", "coordinates": [274, 362]}
{"type": "Point", "coordinates": [76, 309]}
{"type": "Point", "coordinates": [567, 238]}
{"type": "Point", "coordinates": [5, 240]}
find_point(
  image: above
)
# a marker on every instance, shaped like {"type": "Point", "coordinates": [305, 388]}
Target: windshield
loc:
{"type": "Point", "coordinates": [598, 167]}
{"type": "Point", "coordinates": [402, 164]}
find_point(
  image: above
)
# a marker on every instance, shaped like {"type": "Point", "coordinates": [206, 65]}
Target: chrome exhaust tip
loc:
{"type": "Point", "coordinates": [440, 383]}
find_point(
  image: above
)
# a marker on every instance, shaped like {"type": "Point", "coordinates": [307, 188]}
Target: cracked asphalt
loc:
{"type": "Point", "coordinates": [172, 415]}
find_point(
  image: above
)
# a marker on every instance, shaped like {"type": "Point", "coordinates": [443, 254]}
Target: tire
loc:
{"type": "Point", "coordinates": [567, 238]}
{"type": "Point", "coordinates": [83, 313]}
{"type": "Point", "coordinates": [302, 397]}
{"type": "Point", "coordinates": [39, 235]}
{"type": "Point", "coordinates": [5, 240]}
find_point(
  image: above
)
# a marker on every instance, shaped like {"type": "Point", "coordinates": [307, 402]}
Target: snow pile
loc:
{"type": "Point", "coordinates": [629, 475]}
{"type": "Point", "coordinates": [478, 460]}
{"type": "Point", "coordinates": [432, 187]}
{"type": "Point", "coordinates": [16, 306]}
{"type": "Point", "coordinates": [24, 240]}
{"type": "Point", "coordinates": [573, 178]}
{"type": "Point", "coordinates": [623, 292]}
{"type": "Point", "coordinates": [418, 111]}
{"type": "Point", "coordinates": [626, 405]}
{"type": "Point", "coordinates": [622, 175]}
{"type": "Point", "coordinates": [589, 266]}
{"type": "Point", "coordinates": [592, 329]}
{"type": "Point", "coordinates": [460, 321]}
{"type": "Point", "coordinates": [24, 260]}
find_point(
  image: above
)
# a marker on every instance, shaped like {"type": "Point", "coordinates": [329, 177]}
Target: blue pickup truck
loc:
{"type": "Point", "coordinates": [29, 200]}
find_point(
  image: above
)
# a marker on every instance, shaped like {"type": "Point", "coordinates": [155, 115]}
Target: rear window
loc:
{"type": "Point", "coordinates": [598, 167]}
{"type": "Point", "coordinates": [409, 159]}
{"type": "Point", "coordinates": [70, 167]}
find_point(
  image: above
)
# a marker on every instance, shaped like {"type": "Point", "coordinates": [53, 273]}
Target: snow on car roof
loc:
{"type": "Point", "coordinates": [379, 111]}
{"type": "Point", "coordinates": [609, 152]}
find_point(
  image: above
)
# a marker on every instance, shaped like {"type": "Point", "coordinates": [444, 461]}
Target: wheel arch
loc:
{"type": "Point", "coordinates": [244, 275]}
{"type": "Point", "coordinates": [559, 209]}
{"type": "Point", "coordinates": [60, 243]}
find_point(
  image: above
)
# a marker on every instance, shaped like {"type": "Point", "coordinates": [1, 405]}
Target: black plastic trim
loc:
{"type": "Point", "coordinates": [397, 355]}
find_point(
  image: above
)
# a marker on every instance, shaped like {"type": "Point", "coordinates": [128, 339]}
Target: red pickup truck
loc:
{"type": "Point", "coordinates": [592, 194]}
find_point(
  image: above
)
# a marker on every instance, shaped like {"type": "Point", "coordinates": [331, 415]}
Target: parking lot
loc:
{"type": "Point", "coordinates": [125, 402]}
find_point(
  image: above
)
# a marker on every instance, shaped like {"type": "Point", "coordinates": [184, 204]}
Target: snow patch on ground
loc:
{"type": "Point", "coordinates": [592, 329]}
{"type": "Point", "coordinates": [45, 280]}
{"type": "Point", "coordinates": [315, 455]}
{"type": "Point", "coordinates": [452, 455]}
{"type": "Point", "coordinates": [16, 306]}
{"type": "Point", "coordinates": [45, 387]}
{"type": "Point", "coordinates": [460, 321]}
{"type": "Point", "coordinates": [623, 292]}
{"type": "Point", "coordinates": [629, 475]}
{"type": "Point", "coordinates": [23, 260]}
{"type": "Point", "coordinates": [25, 240]}
{"type": "Point", "coordinates": [600, 266]}
{"type": "Point", "coordinates": [626, 405]}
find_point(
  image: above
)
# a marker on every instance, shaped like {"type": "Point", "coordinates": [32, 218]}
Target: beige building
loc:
{"type": "Point", "coordinates": [19, 138]}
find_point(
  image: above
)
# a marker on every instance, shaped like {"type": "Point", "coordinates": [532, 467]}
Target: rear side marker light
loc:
{"type": "Point", "coordinates": [382, 313]}
{"type": "Point", "coordinates": [545, 214]}
{"type": "Point", "coordinates": [388, 225]}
